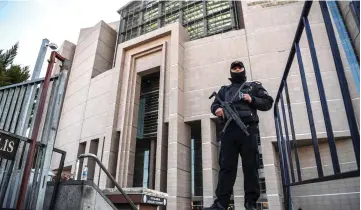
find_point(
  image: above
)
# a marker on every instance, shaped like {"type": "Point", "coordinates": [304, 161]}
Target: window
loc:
{"type": "Point", "coordinates": [146, 168]}
{"type": "Point", "coordinates": [141, 164]}
{"type": "Point", "coordinates": [196, 30]}
{"type": "Point", "coordinates": [197, 205]}
{"type": "Point", "coordinates": [150, 14]}
{"type": "Point", "coordinates": [140, 130]}
{"type": "Point", "coordinates": [131, 34]}
{"type": "Point", "coordinates": [216, 6]}
{"type": "Point", "coordinates": [197, 179]}
{"type": "Point", "coordinates": [170, 6]}
{"type": "Point", "coordinates": [192, 13]}
{"type": "Point", "coordinates": [262, 185]}
{"type": "Point", "coordinates": [200, 18]}
{"type": "Point", "coordinates": [218, 22]}
{"type": "Point", "coordinates": [149, 4]}
{"type": "Point", "coordinates": [132, 21]}
{"type": "Point", "coordinates": [148, 107]}
{"type": "Point", "coordinates": [170, 18]}
{"type": "Point", "coordinates": [151, 26]}
{"type": "Point", "coordinates": [133, 8]}
{"type": "Point", "coordinates": [261, 161]}
{"type": "Point", "coordinates": [196, 166]}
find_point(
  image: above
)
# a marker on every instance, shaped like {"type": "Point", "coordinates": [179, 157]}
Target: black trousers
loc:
{"type": "Point", "coordinates": [233, 143]}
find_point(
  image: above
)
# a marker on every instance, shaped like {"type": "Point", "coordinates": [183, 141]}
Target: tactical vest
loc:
{"type": "Point", "coordinates": [243, 108]}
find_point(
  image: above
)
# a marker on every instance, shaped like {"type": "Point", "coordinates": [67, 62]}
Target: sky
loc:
{"type": "Point", "coordinates": [29, 21]}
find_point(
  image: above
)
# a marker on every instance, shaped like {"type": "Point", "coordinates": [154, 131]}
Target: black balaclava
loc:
{"type": "Point", "coordinates": [239, 77]}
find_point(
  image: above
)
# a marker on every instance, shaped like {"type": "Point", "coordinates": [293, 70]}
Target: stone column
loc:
{"type": "Point", "coordinates": [131, 140]}
{"type": "Point", "coordinates": [179, 164]}
{"type": "Point", "coordinates": [271, 174]}
{"type": "Point", "coordinates": [209, 160]}
{"type": "Point", "coordinates": [238, 189]}
{"type": "Point", "coordinates": [110, 154]}
{"type": "Point", "coordinates": [272, 188]}
{"type": "Point", "coordinates": [179, 152]}
{"type": "Point", "coordinates": [162, 131]}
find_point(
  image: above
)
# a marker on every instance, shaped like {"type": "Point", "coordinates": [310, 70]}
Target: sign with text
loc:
{"type": "Point", "coordinates": [154, 200]}
{"type": "Point", "coordinates": [8, 146]}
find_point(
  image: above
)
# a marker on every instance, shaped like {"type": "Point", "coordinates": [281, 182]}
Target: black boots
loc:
{"type": "Point", "coordinates": [250, 206]}
{"type": "Point", "coordinates": [215, 206]}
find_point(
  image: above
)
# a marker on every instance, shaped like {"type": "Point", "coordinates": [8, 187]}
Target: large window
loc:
{"type": "Point", "coordinates": [146, 132]}
{"type": "Point", "coordinates": [197, 180]}
{"type": "Point", "coordinates": [261, 161]}
{"type": "Point", "coordinates": [148, 107]}
{"type": "Point", "coordinates": [200, 18]}
{"type": "Point", "coordinates": [262, 184]}
{"type": "Point", "coordinates": [141, 164]}
{"type": "Point", "coordinates": [196, 165]}
{"type": "Point", "coordinates": [197, 205]}
{"type": "Point", "coordinates": [192, 12]}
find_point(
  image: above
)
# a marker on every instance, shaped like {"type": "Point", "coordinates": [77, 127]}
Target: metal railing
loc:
{"type": "Point", "coordinates": [58, 178]}
{"type": "Point", "coordinates": [284, 139]}
{"type": "Point", "coordinates": [50, 124]}
{"type": "Point", "coordinates": [11, 172]}
{"type": "Point", "coordinates": [19, 104]}
{"type": "Point", "coordinates": [30, 112]}
{"type": "Point", "coordinates": [82, 156]}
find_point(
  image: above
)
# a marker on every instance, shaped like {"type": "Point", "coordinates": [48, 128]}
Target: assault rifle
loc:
{"type": "Point", "coordinates": [229, 114]}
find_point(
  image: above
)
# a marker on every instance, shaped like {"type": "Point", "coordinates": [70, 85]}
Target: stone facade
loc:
{"type": "Point", "coordinates": [102, 100]}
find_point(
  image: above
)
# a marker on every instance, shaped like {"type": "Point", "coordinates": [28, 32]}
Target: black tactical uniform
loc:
{"type": "Point", "coordinates": [235, 142]}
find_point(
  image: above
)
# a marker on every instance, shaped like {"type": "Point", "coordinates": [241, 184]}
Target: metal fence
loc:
{"type": "Point", "coordinates": [286, 137]}
{"type": "Point", "coordinates": [11, 172]}
{"type": "Point", "coordinates": [26, 108]}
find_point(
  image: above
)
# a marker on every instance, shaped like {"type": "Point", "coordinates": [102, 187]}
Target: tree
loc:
{"type": "Point", "coordinates": [11, 73]}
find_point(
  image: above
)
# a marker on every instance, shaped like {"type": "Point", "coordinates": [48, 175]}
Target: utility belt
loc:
{"type": "Point", "coordinates": [249, 124]}
{"type": "Point", "coordinates": [234, 127]}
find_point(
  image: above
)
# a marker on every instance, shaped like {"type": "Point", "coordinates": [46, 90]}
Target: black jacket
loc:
{"type": "Point", "coordinates": [246, 111]}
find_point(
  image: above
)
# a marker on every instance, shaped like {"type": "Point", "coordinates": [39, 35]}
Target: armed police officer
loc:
{"type": "Point", "coordinates": [246, 98]}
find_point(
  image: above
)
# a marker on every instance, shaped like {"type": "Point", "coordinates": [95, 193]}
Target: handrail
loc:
{"type": "Point", "coordinates": [29, 82]}
{"type": "Point", "coordinates": [300, 27]}
{"type": "Point", "coordinates": [82, 156]}
{"type": "Point", "coordinates": [280, 141]}
{"type": "Point", "coordinates": [283, 136]}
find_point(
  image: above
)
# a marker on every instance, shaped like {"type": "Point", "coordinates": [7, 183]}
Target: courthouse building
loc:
{"type": "Point", "coordinates": [138, 90]}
